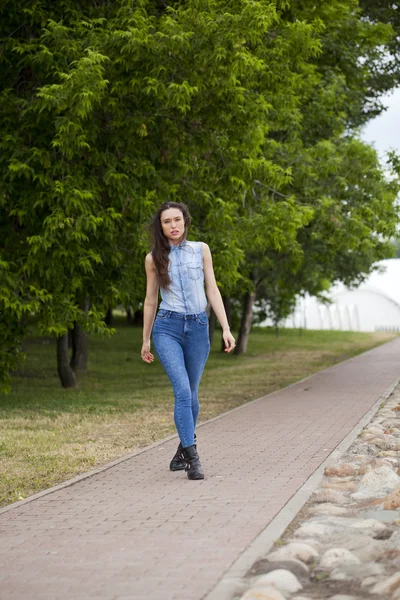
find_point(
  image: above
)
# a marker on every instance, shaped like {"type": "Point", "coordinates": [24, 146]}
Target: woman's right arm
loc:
{"type": "Point", "coordinates": [150, 307]}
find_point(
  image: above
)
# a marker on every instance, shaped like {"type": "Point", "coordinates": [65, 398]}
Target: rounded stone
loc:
{"type": "Point", "coordinates": [372, 524]}
{"type": "Point", "coordinates": [367, 436]}
{"type": "Point", "coordinates": [377, 483]}
{"type": "Point", "coordinates": [328, 509]}
{"type": "Point", "coordinates": [388, 453]}
{"type": "Point", "coordinates": [360, 447]}
{"type": "Point", "coordinates": [281, 579]}
{"type": "Point", "coordinates": [357, 458]}
{"type": "Point", "coordinates": [338, 556]}
{"type": "Point", "coordinates": [373, 463]}
{"type": "Point", "coordinates": [386, 443]}
{"type": "Point", "coordinates": [390, 422]}
{"type": "Point", "coordinates": [387, 413]}
{"type": "Point", "coordinates": [393, 431]}
{"type": "Point", "coordinates": [392, 501]}
{"type": "Point", "coordinates": [329, 495]}
{"type": "Point", "coordinates": [340, 470]}
{"type": "Point", "coordinates": [316, 544]}
{"type": "Point", "coordinates": [342, 597]}
{"type": "Point", "coordinates": [393, 543]}
{"type": "Point", "coordinates": [396, 595]}
{"type": "Point", "coordinates": [335, 479]}
{"type": "Point", "coordinates": [314, 529]}
{"type": "Point", "coordinates": [375, 429]}
{"type": "Point", "coordinates": [294, 550]}
{"type": "Point", "coordinates": [343, 486]}
{"type": "Point", "coordinates": [356, 572]}
{"type": "Point", "coordinates": [295, 566]}
{"type": "Point", "coordinates": [366, 549]}
{"type": "Point", "coordinates": [265, 594]}
{"type": "Point", "coordinates": [368, 581]}
{"type": "Point", "coordinates": [340, 523]}
{"type": "Point", "coordinates": [387, 586]}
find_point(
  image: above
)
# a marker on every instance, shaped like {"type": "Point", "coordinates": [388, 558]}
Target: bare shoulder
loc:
{"type": "Point", "coordinates": [149, 261]}
{"type": "Point", "coordinates": [205, 248]}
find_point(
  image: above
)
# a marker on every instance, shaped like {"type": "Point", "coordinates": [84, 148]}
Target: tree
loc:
{"type": "Point", "coordinates": [109, 109]}
{"type": "Point", "coordinates": [385, 11]}
{"type": "Point", "coordinates": [333, 174]}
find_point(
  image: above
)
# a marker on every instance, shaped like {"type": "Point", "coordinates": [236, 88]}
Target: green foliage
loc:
{"type": "Point", "coordinates": [244, 110]}
{"type": "Point", "coordinates": [385, 11]}
{"type": "Point", "coordinates": [109, 110]}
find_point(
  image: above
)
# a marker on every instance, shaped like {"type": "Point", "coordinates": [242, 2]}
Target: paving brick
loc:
{"type": "Point", "coordinates": [135, 530]}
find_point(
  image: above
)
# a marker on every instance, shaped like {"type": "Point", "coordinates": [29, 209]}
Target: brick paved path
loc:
{"type": "Point", "coordinates": [137, 531]}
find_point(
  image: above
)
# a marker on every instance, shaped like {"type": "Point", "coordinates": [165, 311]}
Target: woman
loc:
{"type": "Point", "coordinates": [180, 334]}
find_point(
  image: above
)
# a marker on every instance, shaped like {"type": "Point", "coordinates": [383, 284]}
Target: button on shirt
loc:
{"type": "Point", "coordinates": [185, 293]}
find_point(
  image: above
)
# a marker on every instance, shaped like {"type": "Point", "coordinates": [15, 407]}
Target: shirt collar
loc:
{"type": "Point", "coordinates": [182, 244]}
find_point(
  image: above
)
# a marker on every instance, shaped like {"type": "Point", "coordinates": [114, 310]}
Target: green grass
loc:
{"type": "Point", "coordinates": [49, 434]}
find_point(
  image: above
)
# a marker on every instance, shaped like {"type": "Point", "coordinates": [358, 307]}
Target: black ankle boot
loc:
{"type": "Point", "coordinates": [178, 463]}
{"type": "Point", "coordinates": [193, 467]}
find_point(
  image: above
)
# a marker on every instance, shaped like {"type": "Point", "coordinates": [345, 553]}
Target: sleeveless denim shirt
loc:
{"type": "Point", "coordinates": [186, 291]}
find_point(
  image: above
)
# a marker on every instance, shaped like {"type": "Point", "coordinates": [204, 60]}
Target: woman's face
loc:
{"type": "Point", "coordinates": [173, 225]}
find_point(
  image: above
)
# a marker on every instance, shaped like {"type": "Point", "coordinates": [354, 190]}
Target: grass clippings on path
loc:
{"type": "Point", "coordinates": [49, 434]}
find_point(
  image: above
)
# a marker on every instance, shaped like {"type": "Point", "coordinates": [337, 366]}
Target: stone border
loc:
{"type": "Point", "coordinates": [232, 583]}
{"type": "Point", "coordinates": [344, 544]}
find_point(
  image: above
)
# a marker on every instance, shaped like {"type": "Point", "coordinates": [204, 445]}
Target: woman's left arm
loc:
{"type": "Point", "coordinates": [215, 299]}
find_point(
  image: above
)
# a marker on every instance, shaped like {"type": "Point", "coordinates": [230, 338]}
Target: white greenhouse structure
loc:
{"type": "Point", "coordinates": [373, 306]}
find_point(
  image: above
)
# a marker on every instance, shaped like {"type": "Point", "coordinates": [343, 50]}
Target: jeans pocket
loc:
{"type": "Point", "coordinates": [162, 314]}
{"type": "Point", "coordinates": [203, 319]}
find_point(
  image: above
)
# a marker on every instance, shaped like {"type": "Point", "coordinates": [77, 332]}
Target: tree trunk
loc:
{"type": "Point", "coordinates": [138, 318]}
{"type": "Point", "coordinates": [65, 373]}
{"type": "Point", "coordinates": [245, 324]}
{"type": "Point", "coordinates": [134, 317]}
{"type": "Point", "coordinates": [228, 309]}
{"type": "Point", "coordinates": [211, 325]}
{"type": "Point", "coordinates": [108, 319]}
{"type": "Point", "coordinates": [80, 347]}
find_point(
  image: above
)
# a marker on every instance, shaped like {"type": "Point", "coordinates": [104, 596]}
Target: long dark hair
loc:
{"type": "Point", "coordinates": [161, 248]}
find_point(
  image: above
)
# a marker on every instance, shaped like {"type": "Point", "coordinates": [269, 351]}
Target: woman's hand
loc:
{"type": "Point", "coordinates": [145, 353]}
{"type": "Point", "coordinates": [229, 341]}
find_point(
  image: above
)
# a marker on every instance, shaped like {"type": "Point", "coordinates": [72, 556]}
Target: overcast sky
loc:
{"type": "Point", "coordinates": [384, 131]}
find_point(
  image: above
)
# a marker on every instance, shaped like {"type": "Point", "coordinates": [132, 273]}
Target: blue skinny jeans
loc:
{"type": "Point", "coordinates": [182, 345]}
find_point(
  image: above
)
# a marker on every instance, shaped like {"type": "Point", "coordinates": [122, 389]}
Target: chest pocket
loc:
{"type": "Point", "coordinates": [194, 271]}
